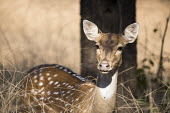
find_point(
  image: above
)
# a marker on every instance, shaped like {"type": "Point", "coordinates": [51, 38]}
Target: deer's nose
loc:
{"type": "Point", "coordinates": [104, 66]}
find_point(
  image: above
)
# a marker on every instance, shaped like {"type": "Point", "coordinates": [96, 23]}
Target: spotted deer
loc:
{"type": "Point", "coordinates": [52, 88]}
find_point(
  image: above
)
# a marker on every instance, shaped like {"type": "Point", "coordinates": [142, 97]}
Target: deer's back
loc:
{"type": "Point", "coordinates": [54, 88]}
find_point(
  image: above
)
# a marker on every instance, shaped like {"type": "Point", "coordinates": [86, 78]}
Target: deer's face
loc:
{"type": "Point", "coordinates": [109, 46]}
{"type": "Point", "coordinates": [109, 51]}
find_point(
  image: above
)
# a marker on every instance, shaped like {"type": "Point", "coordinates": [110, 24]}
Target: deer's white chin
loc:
{"type": "Point", "coordinates": [105, 72]}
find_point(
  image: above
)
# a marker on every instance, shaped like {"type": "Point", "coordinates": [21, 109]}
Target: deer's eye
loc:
{"type": "Point", "coordinates": [97, 47]}
{"type": "Point", "coordinates": [120, 48]}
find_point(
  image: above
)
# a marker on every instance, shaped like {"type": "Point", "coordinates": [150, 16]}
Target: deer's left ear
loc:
{"type": "Point", "coordinates": [131, 32]}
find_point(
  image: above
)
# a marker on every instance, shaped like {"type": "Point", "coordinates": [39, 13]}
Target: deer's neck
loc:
{"type": "Point", "coordinates": [107, 85]}
{"type": "Point", "coordinates": [105, 94]}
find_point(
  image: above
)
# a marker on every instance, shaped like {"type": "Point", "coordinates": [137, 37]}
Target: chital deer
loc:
{"type": "Point", "coordinates": [54, 88]}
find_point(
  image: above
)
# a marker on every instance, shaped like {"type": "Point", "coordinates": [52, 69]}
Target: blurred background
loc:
{"type": "Point", "coordinates": [152, 15]}
{"type": "Point", "coordinates": [34, 32]}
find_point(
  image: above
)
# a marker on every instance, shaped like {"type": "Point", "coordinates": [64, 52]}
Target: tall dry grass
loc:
{"type": "Point", "coordinates": [11, 98]}
{"type": "Point", "coordinates": [9, 88]}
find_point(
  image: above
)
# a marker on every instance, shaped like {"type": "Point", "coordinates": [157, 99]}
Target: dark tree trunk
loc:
{"type": "Point", "coordinates": [109, 16]}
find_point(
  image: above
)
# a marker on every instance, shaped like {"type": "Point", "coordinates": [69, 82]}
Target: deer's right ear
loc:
{"type": "Point", "coordinates": [91, 30]}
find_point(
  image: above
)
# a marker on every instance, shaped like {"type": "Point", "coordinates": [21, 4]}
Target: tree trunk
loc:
{"type": "Point", "coordinates": [110, 16]}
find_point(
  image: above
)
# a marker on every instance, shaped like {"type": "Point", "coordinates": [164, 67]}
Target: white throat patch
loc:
{"type": "Point", "coordinates": [111, 89]}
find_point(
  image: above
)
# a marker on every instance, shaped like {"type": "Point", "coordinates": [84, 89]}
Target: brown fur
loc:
{"type": "Point", "coordinates": [83, 97]}
{"type": "Point", "coordinates": [108, 45]}
{"type": "Point", "coordinates": [67, 102]}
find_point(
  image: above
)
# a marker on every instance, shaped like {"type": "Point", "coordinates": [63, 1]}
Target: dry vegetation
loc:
{"type": "Point", "coordinates": [11, 101]}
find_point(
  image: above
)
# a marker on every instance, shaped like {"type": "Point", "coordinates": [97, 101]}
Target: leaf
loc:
{"type": "Point", "coordinates": [155, 30]}
{"type": "Point", "coordinates": [144, 60]}
{"type": "Point", "coordinates": [151, 62]}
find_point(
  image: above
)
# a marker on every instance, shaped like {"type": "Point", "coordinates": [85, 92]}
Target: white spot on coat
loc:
{"type": "Point", "coordinates": [56, 83]}
{"type": "Point", "coordinates": [50, 82]}
{"type": "Point", "coordinates": [49, 78]}
{"type": "Point", "coordinates": [40, 84]}
{"type": "Point", "coordinates": [55, 75]}
{"type": "Point", "coordinates": [48, 74]}
{"type": "Point", "coordinates": [35, 81]}
{"type": "Point", "coordinates": [56, 93]}
{"type": "Point", "coordinates": [41, 78]}
{"type": "Point", "coordinates": [40, 74]}
{"type": "Point", "coordinates": [43, 92]}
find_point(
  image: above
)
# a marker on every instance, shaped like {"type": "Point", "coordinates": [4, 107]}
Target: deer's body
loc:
{"type": "Point", "coordinates": [56, 89]}
{"type": "Point", "coordinates": [50, 87]}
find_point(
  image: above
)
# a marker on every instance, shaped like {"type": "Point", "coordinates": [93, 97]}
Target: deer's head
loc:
{"type": "Point", "coordinates": [109, 46]}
